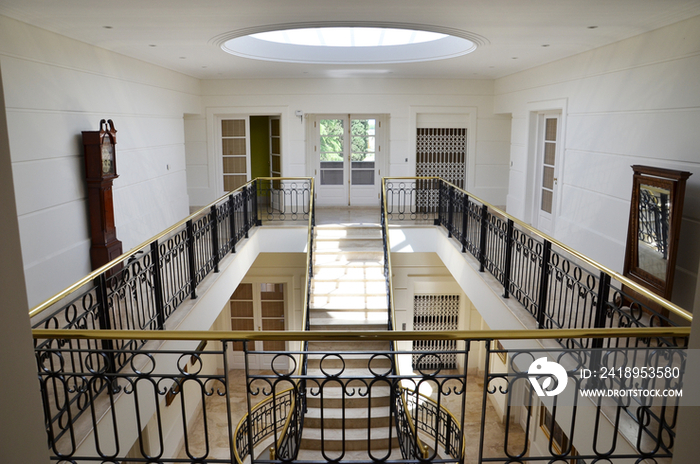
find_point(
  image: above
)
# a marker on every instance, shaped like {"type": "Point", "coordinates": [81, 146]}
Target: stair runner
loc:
{"type": "Point", "coordinates": [348, 293]}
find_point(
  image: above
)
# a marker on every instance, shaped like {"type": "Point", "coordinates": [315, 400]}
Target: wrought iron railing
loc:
{"type": "Point", "coordinates": [94, 373]}
{"type": "Point", "coordinates": [408, 422]}
{"type": "Point", "coordinates": [266, 419]}
{"type": "Point", "coordinates": [287, 433]}
{"type": "Point", "coordinates": [560, 287]}
{"type": "Point", "coordinates": [162, 389]}
{"type": "Point", "coordinates": [437, 423]}
{"type": "Point", "coordinates": [142, 288]}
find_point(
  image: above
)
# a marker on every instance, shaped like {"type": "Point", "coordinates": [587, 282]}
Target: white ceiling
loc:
{"type": "Point", "coordinates": [512, 34]}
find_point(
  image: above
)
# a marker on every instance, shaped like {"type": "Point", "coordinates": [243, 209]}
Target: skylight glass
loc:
{"type": "Point", "coordinates": [348, 37]}
{"type": "Point", "coordinates": [360, 44]}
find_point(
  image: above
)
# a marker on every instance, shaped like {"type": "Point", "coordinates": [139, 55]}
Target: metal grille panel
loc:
{"type": "Point", "coordinates": [435, 312]}
{"type": "Point", "coordinates": [442, 153]}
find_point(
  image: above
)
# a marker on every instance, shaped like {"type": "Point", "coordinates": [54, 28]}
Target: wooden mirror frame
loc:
{"type": "Point", "coordinates": [674, 182]}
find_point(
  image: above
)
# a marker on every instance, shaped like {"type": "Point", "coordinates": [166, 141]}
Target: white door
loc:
{"type": "Point", "coordinates": [257, 306]}
{"type": "Point", "coordinates": [347, 155]}
{"type": "Point", "coordinates": [235, 148]}
{"type": "Point", "coordinates": [548, 152]}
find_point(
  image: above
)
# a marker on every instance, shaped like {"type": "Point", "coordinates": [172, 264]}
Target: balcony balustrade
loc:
{"type": "Point", "coordinates": [115, 382]}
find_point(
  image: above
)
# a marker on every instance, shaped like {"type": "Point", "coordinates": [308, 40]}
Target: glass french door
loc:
{"type": "Point", "coordinates": [347, 156]}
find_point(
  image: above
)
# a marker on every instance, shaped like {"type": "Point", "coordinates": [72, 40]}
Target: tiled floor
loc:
{"type": "Point", "coordinates": [355, 215]}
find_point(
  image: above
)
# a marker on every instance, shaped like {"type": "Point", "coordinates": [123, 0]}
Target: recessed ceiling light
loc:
{"type": "Point", "coordinates": [107, 27]}
{"type": "Point", "coordinates": [592, 27]}
{"type": "Point", "coordinates": [545, 45]}
{"type": "Point", "coordinates": [152, 45]}
{"type": "Point", "coordinates": [183, 57]}
{"type": "Point", "coordinates": [357, 44]}
{"type": "Point", "coordinates": [514, 58]}
{"type": "Point", "coordinates": [203, 67]}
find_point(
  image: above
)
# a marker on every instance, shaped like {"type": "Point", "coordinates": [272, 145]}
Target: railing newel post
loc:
{"type": "Point", "coordinates": [438, 221]}
{"type": "Point", "coordinates": [190, 259]}
{"type": "Point", "coordinates": [465, 221]}
{"type": "Point", "coordinates": [450, 210]}
{"type": "Point", "coordinates": [158, 285]}
{"type": "Point", "coordinates": [103, 319]}
{"type": "Point", "coordinates": [246, 222]}
{"type": "Point", "coordinates": [600, 307]}
{"type": "Point", "coordinates": [256, 221]}
{"type": "Point", "coordinates": [482, 239]}
{"type": "Point", "coordinates": [508, 259]}
{"type": "Point", "coordinates": [214, 224]}
{"type": "Point", "coordinates": [544, 283]}
{"type": "Point", "coordinates": [232, 222]}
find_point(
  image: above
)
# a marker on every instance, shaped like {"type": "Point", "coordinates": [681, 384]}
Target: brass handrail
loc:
{"type": "Point", "coordinates": [619, 277]}
{"type": "Point", "coordinates": [94, 274]}
{"type": "Point", "coordinates": [403, 335]}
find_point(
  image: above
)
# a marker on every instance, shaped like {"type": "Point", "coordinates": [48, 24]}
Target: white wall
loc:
{"type": "Point", "coordinates": [401, 99]}
{"type": "Point", "coordinates": [633, 102]}
{"type": "Point", "coordinates": [56, 87]}
{"type": "Point", "coordinates": [22, 439]}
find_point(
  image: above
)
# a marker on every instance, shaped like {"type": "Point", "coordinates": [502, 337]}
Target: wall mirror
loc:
{"type": "Point", "coordinates": [654, 227]}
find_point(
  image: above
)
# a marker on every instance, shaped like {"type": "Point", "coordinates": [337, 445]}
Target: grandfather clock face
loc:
{"type": "Point", "coordinates": [107, 149]}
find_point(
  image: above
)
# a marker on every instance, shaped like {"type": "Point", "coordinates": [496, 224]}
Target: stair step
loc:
{"type": "Point", "coordinates": [323, 233]}
{"type": "Point", "coordinates": [379, 399]}
{"type": "Point", "coordinates": [379, 364]}
{"type": "Point", "coordinates": [355, 439]}
{"type": "Point", "coordinates": [348, 327]}
{"type": "Point", "coordinates": [348, 273]}
{"type": "Point", "coordinates": [354, 417]}
{"type": "Point", "coordinates": [349, 456]}
{"type": "Point", "coordinates": [341, 302]}
{"type": "Point", "coordinates": [361, 345]}
{"type": "Point", "coordinates": [355, 258]}
{"type": "Point", "coordinates": [372, 287]}
{"type": "Point", "coordinates": [348, 244]}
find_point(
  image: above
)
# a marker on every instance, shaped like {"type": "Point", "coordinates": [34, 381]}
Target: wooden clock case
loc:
{"type": "Point", "coordinates": [100, 171]}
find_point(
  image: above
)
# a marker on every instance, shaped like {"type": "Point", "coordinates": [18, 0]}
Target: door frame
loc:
{"type": "Point", "coordinates": [236, 359]}
{"type": "Point", "coordinates": [530, 205]}
{"type": "Point", "coordinates": [539, 166]}
{"type": "Point", "coordinates": [469, 113]}
{"type": "Point", "coordinates": [214, 115]}
{"type": "Point", "coordinates": [313, 161]}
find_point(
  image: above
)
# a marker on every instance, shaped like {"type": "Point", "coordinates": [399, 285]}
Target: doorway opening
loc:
{"type": "Point", "coordinates": [251, 147]}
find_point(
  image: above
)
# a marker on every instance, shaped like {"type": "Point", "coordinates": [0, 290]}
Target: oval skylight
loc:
{"type": "Point", "coordinates": [349, 36]}
{"type": "Point", "coordinates": [348, 45]}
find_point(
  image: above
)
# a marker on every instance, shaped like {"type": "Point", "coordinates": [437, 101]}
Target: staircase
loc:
{"type": "Point", "coordinates": [348, 293]}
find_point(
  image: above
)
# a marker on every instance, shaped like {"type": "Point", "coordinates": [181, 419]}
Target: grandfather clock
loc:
{"type": "Point", "coordinates": [101, 170]}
